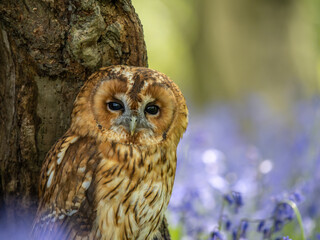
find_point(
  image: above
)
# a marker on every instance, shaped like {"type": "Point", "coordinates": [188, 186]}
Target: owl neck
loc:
{"type": "Point", "coordinates": [152, 157]}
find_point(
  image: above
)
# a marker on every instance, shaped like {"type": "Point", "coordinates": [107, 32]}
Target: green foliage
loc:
{"type": "Point", "coordinates": [175, 232]}
{"type": "Point", "coordinates": [223, 49]}
{"type": "Point", "coordinates": [169, 32]}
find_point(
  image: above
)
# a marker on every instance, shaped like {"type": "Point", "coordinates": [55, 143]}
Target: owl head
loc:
{"type": "Point", "coordinates": [130, 105]}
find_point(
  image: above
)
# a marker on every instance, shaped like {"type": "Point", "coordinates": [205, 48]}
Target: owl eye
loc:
{"type": "Point", "coordinates": [152, 109]}
{"type": "Point", "coordinates": [115, 106]}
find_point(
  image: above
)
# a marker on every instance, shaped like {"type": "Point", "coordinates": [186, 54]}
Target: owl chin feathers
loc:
{"type": "Point", "coordinates": [139, 137]}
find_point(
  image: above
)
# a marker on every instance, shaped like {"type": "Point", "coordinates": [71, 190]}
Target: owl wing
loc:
{"type": "Point", "coordinates": [163, 231]}
{"type": "Point", "coordinates": [66, 208]}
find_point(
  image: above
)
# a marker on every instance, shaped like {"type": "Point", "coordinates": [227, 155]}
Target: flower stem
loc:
{"type": "Point", "coordinates": [221, 215]}
{"type": "Point", "coordinates": [298, 215]}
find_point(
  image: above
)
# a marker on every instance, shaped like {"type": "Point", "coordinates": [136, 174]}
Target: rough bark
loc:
{"type": "Point", "coordinates": [47, 50]}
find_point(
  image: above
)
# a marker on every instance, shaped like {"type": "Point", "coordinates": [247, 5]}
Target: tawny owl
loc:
{"type": "Point", "coordinates": [111, 175]}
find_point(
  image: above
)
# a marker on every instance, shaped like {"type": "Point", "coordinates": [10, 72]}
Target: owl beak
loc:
{"type": "Point", "coordinates": [133, 124]}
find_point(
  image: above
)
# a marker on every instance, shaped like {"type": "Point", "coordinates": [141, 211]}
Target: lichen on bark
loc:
{"type": "Point", "coordinates": [83, 37]}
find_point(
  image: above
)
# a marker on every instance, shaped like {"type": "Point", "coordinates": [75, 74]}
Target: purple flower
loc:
{"type": "Point", "coordinates": [216, 235]}
{"type": "Point", "coordinates": [243, 228]}
{"type": "Point", "coordinates": [260, 226]}
{"type": "Point", "coordinates": [286, 238]}
{"type": "Point", "coordinates": [249, 151]}
{"type": "Point", "coordinates": [228, 224]}
{"type": "Point", "coordinates": [266, 232]}
{"type": "Point", "coordinates": [278, 225]}
{"type": "Point", "coordinates": [237, 198]}
{"type": "Point", "coordinates": [234, 234]}
{"type": "Point", "coordinates": [296, 197]}
{"type": "Point", "coordinates": [228, 199]}
{"type": "Point", "coordinates": [283, 212]}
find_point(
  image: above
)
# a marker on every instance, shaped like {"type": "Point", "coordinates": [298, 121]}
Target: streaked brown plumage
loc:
{"type": "Point", "coordinates": [111, 175]}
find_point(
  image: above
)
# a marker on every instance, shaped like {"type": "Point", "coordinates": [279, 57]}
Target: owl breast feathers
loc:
{"type": "Point", "coordinates": [111, 175]}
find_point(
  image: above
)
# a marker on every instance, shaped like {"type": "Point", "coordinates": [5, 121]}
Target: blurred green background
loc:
{"type": "Point", "coordinates": [219, 50]}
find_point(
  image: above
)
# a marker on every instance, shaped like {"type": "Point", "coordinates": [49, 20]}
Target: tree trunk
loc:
{"type": "Point", "coordinates": [47, 50]}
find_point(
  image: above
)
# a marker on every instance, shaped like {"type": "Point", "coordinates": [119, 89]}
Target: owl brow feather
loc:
{"type": "Point", "coordinates": [110, 76]}
{"type": "Point", "coordinates": [162, 85]}
{"type": "Point", "coordinates": [136, 88]}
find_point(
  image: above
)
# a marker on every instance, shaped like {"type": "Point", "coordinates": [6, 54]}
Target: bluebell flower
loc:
{"type": "Point", "coordinates": [283, 212]}
{"type": "Point", "coordinates": [228, 224]}
{"type": "Point", "coordinates": [278, 225]}
{"type": "Point", "coordinates": [266, 232]}
{"type": "Point", "coordinates": [237, 198]}
{"type": "Point", "coordinates": [260, 225]}
{"type": "Point", "coordinates": [234, 234]}
{"type": "Point", "coordinates": [286, 238]}
{"type": "Point", "coordinates": [243, 228]}
{"type": "Point", "coordinates": [256, 152]}
{"type": "Point", "coordinates": [216, 235]}
{"type": "Point", "coordinates": [228, 199]}
{"type": "Point", "coordinates": [296, 197]}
